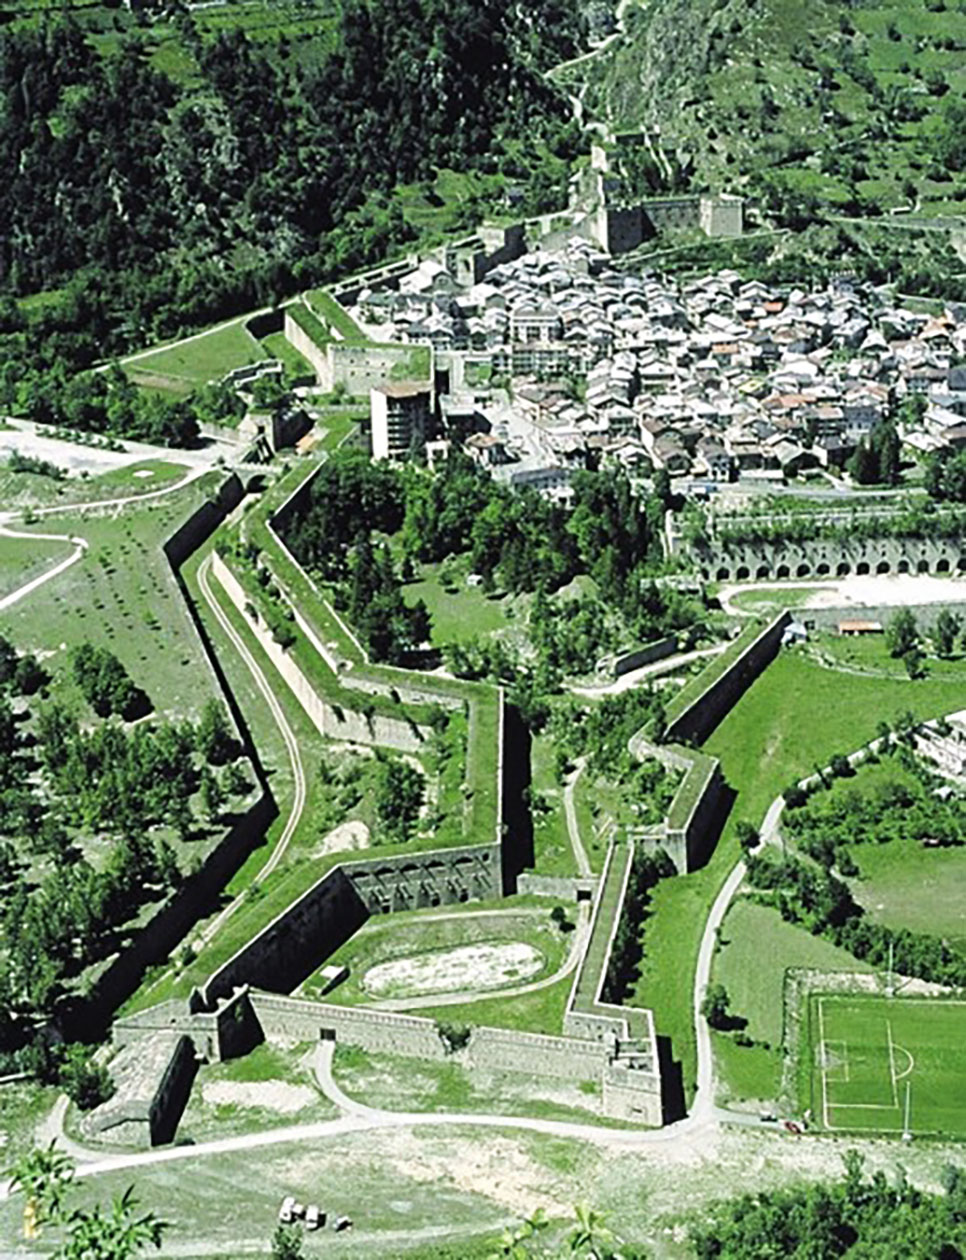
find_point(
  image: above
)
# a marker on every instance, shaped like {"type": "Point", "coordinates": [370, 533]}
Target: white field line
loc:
{"type": "Point", "coordinates": [821, 1036]}
{"type": "Point", "coordinates": [892, 1063]}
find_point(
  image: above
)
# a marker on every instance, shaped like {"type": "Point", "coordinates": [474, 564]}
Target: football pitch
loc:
{"type": "Point", "coordinates": [874, 1057]}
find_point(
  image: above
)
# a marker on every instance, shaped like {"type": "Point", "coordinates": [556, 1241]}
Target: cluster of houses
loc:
{"type": "Point", "coordinates": [716, 378]}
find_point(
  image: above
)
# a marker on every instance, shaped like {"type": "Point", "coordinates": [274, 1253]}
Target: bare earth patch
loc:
{"type": "Point", "coordinates": [271, 1095]}
{"type": "Point", "coordinates": [348, 835]}
{"type": "Point", "coordinates": [469, 967]}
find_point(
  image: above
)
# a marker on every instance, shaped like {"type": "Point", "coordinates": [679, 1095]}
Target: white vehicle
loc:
{"type": "Point", "coordinates": [314, 1216]}
{"type": "Point", "coordinates": [343, 1222]}
{"type": "Point", "coordinates": [286, 1213]}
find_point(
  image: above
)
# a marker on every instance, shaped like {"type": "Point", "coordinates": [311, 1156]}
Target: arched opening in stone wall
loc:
{"type": "Point", "coordinates": [705, 575]}
{"type": "Point", "coordinates": [822, 569]}
{"type": "Point", "coordinates": [782, 571]}
{"type": "Point", "coordinates": [803, 570]}
{"type": "Point", "coordinates": [723, 575]}
{"type": "Point", "coordinates": [843, 569]}
{"type": "Point", "coordinates": [763, 571]}
{"type": "Point", "coordinates": [942, 566]}
{"type": "Point", "coordinates": [862, 567]}
{"type": "Point", "coordinates": [883, 567]}
{"type": "Point", "coordinates": [742, 574]}
{"type": "Point", "coordinates": [902, 566]}
{"type": "Point", "coordinates": [922, 566]}
{"type": "Point", "coordinates": [961, 564]}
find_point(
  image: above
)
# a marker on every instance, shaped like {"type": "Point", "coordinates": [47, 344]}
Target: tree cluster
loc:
{"type": "Point", "coordinates": [628, 946]}
{"type": "Point", "coordinates": [822, 903]}
{"type": "Point", "coordinates": [105, 684]}
{"type": "Point", "coordinates": [853, 1216]}
{"type": "Point", "coordinates": [875, 460]}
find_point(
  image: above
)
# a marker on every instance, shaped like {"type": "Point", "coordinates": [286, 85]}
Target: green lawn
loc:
{"type": "Point", "coordinates": [187, 364]}
{"type": "Point", "coordinates": [540, 1012]}
{"type": "Point", "coordinates": [462, 612]}
{"type": "Point", "coordinates": [278, 346]}
{"type": "Point", "coordinates": [773, 599]}
{"type": "Point", "coordinates": [402, 1084]}
{"type": "Point", "coordinates": [757, 948]}
{"type": "Point", "coordinates": [553, 854]}
{"type": "Point", "coordinates": [907, 886]}
{"type": "Point", "coordinates": [123, 596]}
{"type": "Point", "coordinates": [796, 715]}
{"type": "Point", "coordinates": [866, 1052]}
{"type": "Point", "coordinates": [22, 559]}
{"type": "Point", "coordinates": [870, 653]}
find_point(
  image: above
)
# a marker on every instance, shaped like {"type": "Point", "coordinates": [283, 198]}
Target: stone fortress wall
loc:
{"type": "Point", "coordinates": [700, 718]}
{"type": "Point", "coordinates": [241, 1002]}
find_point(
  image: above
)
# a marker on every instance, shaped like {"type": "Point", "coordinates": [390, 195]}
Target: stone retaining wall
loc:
{"type": "Point", "coordinates": [331, 721]}
{"type": "Point", "coordinates": [705, 712]}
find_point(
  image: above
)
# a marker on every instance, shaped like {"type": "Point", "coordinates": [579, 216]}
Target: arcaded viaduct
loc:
{"type": "Point", "coordinates": [816, 558]}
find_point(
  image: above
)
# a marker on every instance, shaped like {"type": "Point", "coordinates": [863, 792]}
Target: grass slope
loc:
{"type": "Point", "coordinates": [795, 715]}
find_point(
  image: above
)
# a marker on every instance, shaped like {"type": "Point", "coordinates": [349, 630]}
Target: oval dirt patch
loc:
{"type": "Point", "coordinates": [470, 967]}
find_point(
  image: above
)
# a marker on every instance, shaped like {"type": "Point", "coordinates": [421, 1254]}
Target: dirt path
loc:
{"type": "Point", "coordinates": [570, 811]}
{"type": "Point", "coordinates": [654, 670]}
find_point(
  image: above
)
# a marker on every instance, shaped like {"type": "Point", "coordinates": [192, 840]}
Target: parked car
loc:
{"type": "Point", "coordinates": [343, 1222]}
{"type": "Point", "coordinates": [286, 1213]}
{"type": "Point", "coordinates": [314, 1216]}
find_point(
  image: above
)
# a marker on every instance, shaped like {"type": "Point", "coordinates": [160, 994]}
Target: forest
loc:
{"type": "Point", "coordinates": [97, 819]}
{"type": "Point", "coordinates": [365, 527]}
{"type": "Point", "coordinates": [856, 1215]}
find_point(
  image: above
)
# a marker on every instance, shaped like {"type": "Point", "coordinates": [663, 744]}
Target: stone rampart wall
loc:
{"type": "Point", "coordinates": [316, 356]}
{"type": "Point", "coordinates": [305, 933]}
{"type": "Point", "coordinates": [645, 655]}
{"type": "Point", "coordinates": [701, 717]}
{"type": "Point", "coordinates": [576, 888]}
{"type": "Point", "coordinates": [331, 721]}
{"type": "Point", "coordinates": [385, 1032]}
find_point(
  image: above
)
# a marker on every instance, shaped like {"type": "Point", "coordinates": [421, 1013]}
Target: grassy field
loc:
{"type": "Point", "coordinates": [870, 654]}
{"type": "Point", "coordinates": [907, 886]}
{"type": "Point", "coordinates": [757, 947]}
{"type": "Point", "coordinates": [553, 854]}
{"type": "Point", "coordinates": [796, 715]}
{"type": "Point", "coordinates": [540, 1012]}
{"type": "Point", "coordinates": [184, 366]}
{"type": "Point", "coordinates": [866, 1053]}
{"type": "Point", "coordinates": [123, 596]}
{"type": "Point", "coordinates": [22, 559]}
{"type": "Point", "coordinates": [461, 613]}
{"type": "Point", "coordinates": [278, 346]}
{"type": "Point", "coordinates": [401, 1084]}
{"type": "Point", "coordinates": [773, 599]}
{"type": "Point", "coordinates": [26, 490]}
{"type": "Point", "coordinates": [432, 933]}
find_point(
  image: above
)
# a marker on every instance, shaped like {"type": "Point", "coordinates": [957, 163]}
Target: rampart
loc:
{"type": "Point", "coordinates": [332, 721]}
{"type": "Point", "coordinates": [306, 932]}
{"type": "Point", "coordinates": [169, 921]}
{"type": "Point", "coordinates": [703, 714]}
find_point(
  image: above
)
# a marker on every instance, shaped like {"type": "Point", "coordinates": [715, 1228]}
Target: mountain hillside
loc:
{"type": "Point", "coordinates": [806, 107]}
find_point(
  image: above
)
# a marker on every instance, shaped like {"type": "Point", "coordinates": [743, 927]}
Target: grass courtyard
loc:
{"type": "Point", "coordinates": [867, 1053]}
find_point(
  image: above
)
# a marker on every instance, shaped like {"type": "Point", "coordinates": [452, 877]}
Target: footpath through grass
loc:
{"type": "Point", "coordinates": [794, 717]}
